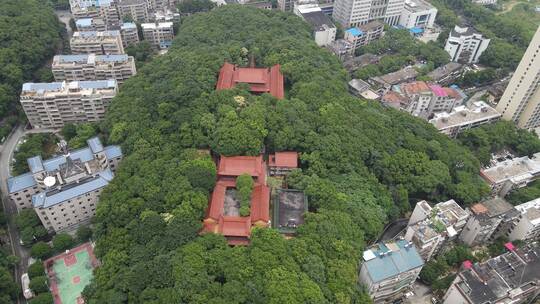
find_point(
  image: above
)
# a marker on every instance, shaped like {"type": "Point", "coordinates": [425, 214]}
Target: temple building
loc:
{"type": "Point", "coordinates": [223, 214]}
{"type": "Point", "coordinates": [261, 80]}
{"type": "Point", "coordinates": [281, 163]}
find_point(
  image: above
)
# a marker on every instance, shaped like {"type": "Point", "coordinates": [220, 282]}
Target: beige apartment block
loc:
{"type": "Point", "coordinates": [160, 35]}
{"type": "Point", "coordinates": [129, 33]}
{"type": "Point", "coordinates": [93, 67]}
{"type": "Point", "coordinates": [51, 105]}
{"type": "Point", "coordinates": [136, 10]}
{"type": "Point", "coordinates": [520, 102]}
{"type": "Point", "coordinates": [103, 43]}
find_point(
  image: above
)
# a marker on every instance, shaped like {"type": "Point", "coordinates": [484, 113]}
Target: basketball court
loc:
{"type": "Point", "coordinates": [70, 272]}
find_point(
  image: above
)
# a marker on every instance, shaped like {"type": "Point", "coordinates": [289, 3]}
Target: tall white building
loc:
{"type": "Point", "coordinates": [104, 43]}
{"type": "Point", "coordinates": [389, 270]}
{"type": "Point", "coordinates": [93, 67]}
{"type": "Point", "coordinates": [418, 14]}
{"type": "Point", "coordinates": [351, 13]}
{"type": "Point", "coordinates": [64, 191]}
{"type": "Point", "coordinates": [160, 35]}
{"type": "Point", "coordinates": [465, 45]}
{"type": "Point", "coordinates": [527, 227]}
{"type": "Point", "coordinates": [51, 105]}
{"type": "Point", "coordinates": [520, 102]}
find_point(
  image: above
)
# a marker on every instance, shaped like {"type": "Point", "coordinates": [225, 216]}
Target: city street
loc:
{"type": "Point", "coordinates": [6, 154]}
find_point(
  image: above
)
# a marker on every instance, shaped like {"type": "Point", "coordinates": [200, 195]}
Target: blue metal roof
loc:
{"type": "Point", "coordinates": [112, 58]}
{"type": "Point", "coordinates": [113, 152]}
{"type": "Point", "coordinates": [36, 87]}
{"type": "Point", "coordinates": [416, 30]}
{"type": "Point", "coordinates": [128, 25]}
{"type": "Point", "coordinates": [35, 164]}
{"type": "Point", "coordinates": [18, 183]}
{"type": "Point", "coordinates": [84, 154]}
{"type": "Point", "coordinates": [72, 58]}
{"type": "Point", "coordinates": [42, 200]}
{"type": "Point", "coordinates": [95, 144]}
{"type": "Point", "coordinates": [97, 84]}
{"type": "Point", "coordinates": [355, 31]}
{"type": "Point", "coordinates": [389, 263]}
{"type": "Point", "coordinates": [84, 22]}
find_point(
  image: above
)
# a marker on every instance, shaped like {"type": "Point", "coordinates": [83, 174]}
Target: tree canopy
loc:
{"type": "Point", "coordinates": [149, 217]}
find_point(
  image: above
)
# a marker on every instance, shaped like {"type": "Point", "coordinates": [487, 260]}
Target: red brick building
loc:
{"type": "Point", "coordinates": [261, 80]}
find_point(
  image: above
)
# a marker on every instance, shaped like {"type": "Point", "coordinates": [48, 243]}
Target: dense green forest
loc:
{"type": "Point", "coordinates": [361, 165]}
{"type": "Point", "coordinates": [29, 35]}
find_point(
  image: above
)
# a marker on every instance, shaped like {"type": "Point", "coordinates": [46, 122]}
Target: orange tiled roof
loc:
{"type": "Point", "coordinates": [261, 80]}
{"type": "Point", "coordinates": [415, 87]}
{"type": "Point", "coordinates": [284, 159]}
{"type": "Point", "coordinates": [238, 165]}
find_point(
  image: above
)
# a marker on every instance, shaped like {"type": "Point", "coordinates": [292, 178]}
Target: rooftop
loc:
{"type": "Point", "coordinates": [516, 169]}
{"type": "Point", "coordinates": [355, 31]}
{"type": "Point", "coordinates": [415, 87]}
{"type": "Point", "coordinates": [400, 76]}
{"type": "Point", "coordinates": [53, 87]}
{"type": "Point", "coordinates": [84, 22]}
{"type": "Point", "coordinates": [464, 115]}
{"type": "Point", "coordinates": [445, 70]}
{"type": "Point", "coordinates": [260, 80]}
{"type": "Point", "coordinates": [359, 85]}
{"type": "Point", "coordinates": [157, 25]}
{"type": "Point", "coordinates": [289, 210]}
{"type": "Point", "coordinates": [89, 58]}
{"type": "Point", "coordinates": [387, 260]}
{"type": "Point", "coordinates": [531, 210]}
{"type": "Point", "coordinates": [128, 25]}
{"type": "Point", "coordinates": [287, 159]}
{"type": "Point", "coordinates": [493, 207]}
{"type": "Point", "coordinates": [459, 31]}
{"type": "Point", "coordinates": [418, 5]}
{"type": "Point", "coordinates": [238, 165]}
{"type": "Point", "coordinates": [95, 34]}
{"type": "Point", "coordinates": [318, 20]}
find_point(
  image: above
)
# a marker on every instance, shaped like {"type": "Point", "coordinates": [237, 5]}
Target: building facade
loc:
{"type": "Point", "coordinates": [351, 13]}
{"type": "Point", "coordinates": [418, 14]}
{"type": "Point", "coordinates": [102, 43]}
{"type": "Point", "coordinates": [90, 25]}
{"type": "Point", "coordinates": [93, 67]}
{"type": "Point", "coordinates": [52, 105]}
{"type": "Point", "coordinates": [527, 226]}
{"type": "Point", "coordinates": [465, 45]}
{"type": "Point", "coordinates": [158, 34]}
{"type": "Point", "coordinates": [324, 30]}
{"type": "Point", "coordinates": [64, 190]}
{"type": "Point", "coordinates": [129, 34]}
{"type": "Point", "coordinates": [464, 117]}
{"type": "Point", "coordinates": [133, 10]}
{"type": "Point", "coordinates": [520, 102]}
{"type": "Point", "coordinates": [389, 270]}
{"type": "Point", "coordinates": [101, 11]}
{"type": "Point", "coordinates": [513, 277]}
{"type": "Point", "coordinates": [509, 174]}
{"type": "Point", "coordinates": [364, 34]}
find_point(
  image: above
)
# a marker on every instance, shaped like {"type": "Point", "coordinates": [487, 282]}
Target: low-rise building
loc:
{"type": "Point", "coordinates": [93, 67]}
{"type": "Point", "coordinates": [281, 163]}
{"type": "Point", "coordinates": [129, 34]}
{"type": "Point", "coordinates": [527, 226]}
{"type": "Point", "coordinates": [464, 117]}
{"type": "Point", "coordinates": [389, 270]}
{"type": "Point", "coordinates": [64, 190]}
{"type": "Point", "coordinates": [446, 74]}
{"type": "Point", "coordinates": [387, 81]}
{"type": "Point", "coordinates": [158, 34]}
{"type": "Point", "coordinates": [513, 277]}
{"type": "Point", "coordinates": [360, 88]}
{"type": "Point", "coordinates": [417, 14]}
{"type": "Point", "coordinates": [510, 174]}
{"type": "Point", "coordinates": [364, 34]}
{"type": "Point", "coordinates": [90, 25]}
{"type": "Point", "coordinates": [465, 44]}
{"type": "Point", "coordinates": [103, 43]}
{"type": "Point", "coordinates": [431, 228]}
{"type": "Point", "coordinates": [52, 105]}
{"type": "Point", "coordinates": [488, 220]}
{"type": "Point", "coordinates": [342, 48]}
{"type": "Point", "coordinates": [260, 80]}
{"type": "Point", "coordinates": [324, 30]}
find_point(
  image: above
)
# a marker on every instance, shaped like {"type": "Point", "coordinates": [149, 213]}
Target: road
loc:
{"type": "Point", "coordinates": [393, 229]}
{"type": "Point", "coordinates": [6, 154]}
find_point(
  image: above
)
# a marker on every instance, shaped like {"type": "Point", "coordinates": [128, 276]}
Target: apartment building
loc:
{"type": "Point", "coordinates": [93, 67]}
{"type": "Point", "coordinates": [90, 25]}
{"type": "Point", "coordinates": [446, 74]}
{"type": "Point", "coordinates": [487, 221]}
{"type": "Point", "coordinates": [417, 14]}
{"type": "Point", "coordinates": [100, 11]}
{"type": "Point", "coordinates": [104, 43]}
{"type": "Point", "coordinates": [324, 30]}
{"type": "Point", "coordinates": [465, 44]}
{"type": "Point", "coordinates": [509, 174]}
{"type": "Point", "coordinates": [364, 34]}
{"type": "Point", "coordinates": [51, 105]}
{"type": "Point", "coordinates": [464, 117]}
{"type": "Point", "coordinates": [429, 229]}
{"type": "Point", "coordinates": [129, 34]}
{"type": "Point", "coordinates": [527, 226]}
{"type": "Point", "coordinates": [513, 277]}
{"type": "Point", "coordinates": [520, 102]}
{"type": "Point", "coordinates": [389, 270]}
{"type": "Point", "coordinates": [134, 10]}
{"type": "Point", "coordinates": [68, 180]}
{"type": "Point", "coordinates": [351, 13]}
{"type": "Point", "coordinates": [160, 35]}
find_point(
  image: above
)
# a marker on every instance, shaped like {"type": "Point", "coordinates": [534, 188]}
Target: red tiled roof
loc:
{"type": "Point", "coordinates": [260, 205]}
{"type": "Point", "coordinates": [235, 226]}
{"type": "Point", "coordinates": [415, 87]}
{"type": "Point", "coordinates": [394, 98]}
{"type": "Point", "coordinates": [284, 159]}
{"type": "Point", "coordinates": [478, 208]}
{"type": "Point", "coordinates": [261, 80]}
{"type": "Point", "coordinates": [453, 93]}
{"type": "Point", "coordinates": [238, 165]}
{"type": "Point", "coordinates": [215, 209]}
